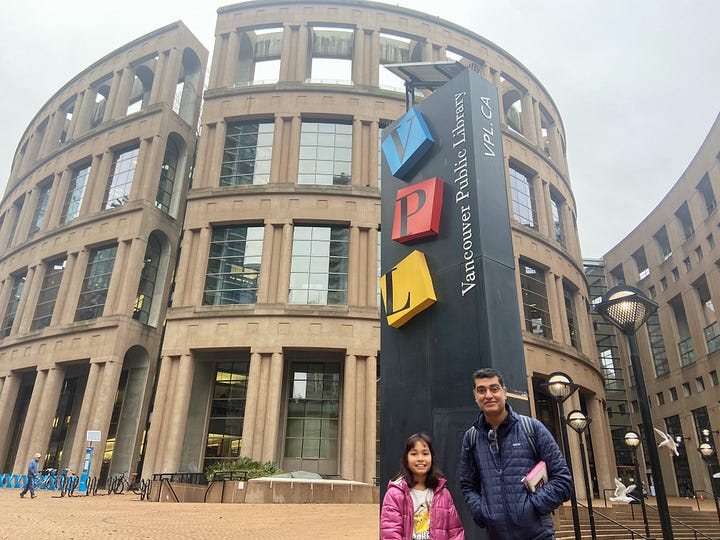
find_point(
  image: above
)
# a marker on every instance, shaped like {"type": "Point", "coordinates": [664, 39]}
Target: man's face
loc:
{"type": "Point", "coordinates": [490, 395]}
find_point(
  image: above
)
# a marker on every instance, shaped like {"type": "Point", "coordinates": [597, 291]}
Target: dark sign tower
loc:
{"type": "Point", "coordinates": [428, 355]}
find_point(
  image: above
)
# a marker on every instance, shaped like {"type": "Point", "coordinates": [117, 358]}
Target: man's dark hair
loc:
{"type": "Point", "coordinates": [487, 373]}
{"type": "Point", "coordinates": [434, 474]}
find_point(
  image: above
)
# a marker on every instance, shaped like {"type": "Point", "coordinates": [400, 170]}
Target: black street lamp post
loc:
{"type": "Point", "coordinates": [579, 422]}
{"type": "Point", "coordinates": [632, 439]}
{"type": "Point", "coordinates": [628, 308]}
{"type": "Point", "coordinates": [561, 387]}
{"type": "Point", "coordinates": [707, 450]}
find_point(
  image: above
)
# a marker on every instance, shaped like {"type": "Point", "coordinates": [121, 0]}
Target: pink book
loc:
{"type": "Point", "coordinates": [536, 477]}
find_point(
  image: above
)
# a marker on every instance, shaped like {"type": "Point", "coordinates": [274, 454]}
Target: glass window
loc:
{"type": "Point", "coordinates": [660, 398]}
{"type": "Point", "coordinates": [683, 215]}
{"type": "Point", "coordinates": [75, 192]}
{"type": "Point", "coordinates": [657, 346]}
{"type": "Point", "coordinates": [687, 352]}
{"type": "Point", "coordinates": [12, 305]}
{"type": "Point", "coordinates": [227, 412]}
{"type": "Point", "coordinates": [148, 278]}
{"type": "Point", "coordinates": [325, 154]}
{"type": "Point", "coordinates": [48, 294]}
{"type": "Point", "coordinates": [641, 263]}
{"type": "Point", "coordinates": [711, 241]}
{"type": "Point", "coordinates": [708, 195]}
{"type": "Point", "coordinates": [556, 204]}
{"type": "Point", "coordinates": [313, 411]}
{"type": "Point", "coordinates": [663, 283]}
{"type": "Point", "coordinates": [168, 173]}
{"type": "Point", "coordinates": [675, 274]}
{"type": "Point", "coordinates": [319, 267]}
{"type": "Point", "coordinates": [571, 316]}
{"type": "Point", "coordinates": [523, 198]}
{"type": "Point", "coordinates": [40, 208]}
{"type": "Point", "coordinates": [699, 384]}
{"type": "Point", "coordinates": [687, 391]}
{"type": "Point", "coordinates": [233, 265]}
{"type": "Point", "coordinates": [535, 302]}
{"type": "Point", "coordinates": [661, 237]}
{"type": "Point", "coordinates": [247, 154]}
{"type": "Point", "coordinates": [714, 378]}
{"type": "Point", "coordinates": [122, 170]}
{"type": "Point", "coordinates": [712, 337]}
{"type": "Point", "coordinates": [673, 394]}
{"type": "Point", "coordinates": [96, 283]}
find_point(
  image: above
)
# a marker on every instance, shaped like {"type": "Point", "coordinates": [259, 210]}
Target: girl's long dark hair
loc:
{"type": "Point", "coordinates": [434, 474]}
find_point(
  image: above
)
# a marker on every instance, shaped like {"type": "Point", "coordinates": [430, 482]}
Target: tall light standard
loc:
{"type": "Point", "coordinates": [707, 450]}
{"type": "Point", "coordinates": [632, 439]}
{"type": "Point", "coordinates": [628, 308]}
{"type": "Point", "coordinates": [560, 386]}
{"type": "Point", "coordinates": [579, 422]}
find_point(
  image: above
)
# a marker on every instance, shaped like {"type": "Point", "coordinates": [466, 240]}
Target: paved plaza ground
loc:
{"type": "Point", "coordinates": [125, 516]}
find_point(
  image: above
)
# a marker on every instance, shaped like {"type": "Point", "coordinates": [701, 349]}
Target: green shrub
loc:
{"type": "Point", "coordinates": [254, 469]}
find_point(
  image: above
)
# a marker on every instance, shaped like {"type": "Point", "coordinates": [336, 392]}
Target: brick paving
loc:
{"type": "Point", "coordinates": [125, 516]}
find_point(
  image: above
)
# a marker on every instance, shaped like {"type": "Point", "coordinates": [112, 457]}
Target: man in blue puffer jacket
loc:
{"type": "Point", "coordinates": [497, 452]}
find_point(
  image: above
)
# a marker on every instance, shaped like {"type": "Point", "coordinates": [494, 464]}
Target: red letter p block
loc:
{"type": "Point", "coordinates": [417, 210]}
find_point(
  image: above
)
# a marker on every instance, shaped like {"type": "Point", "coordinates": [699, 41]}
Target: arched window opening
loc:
{"type": "Point", "coordinates": [148, 280]}
{"type": "Point", "coordinates": [187, 88]}
{"type": "Point", "coordinates": [102, 92]}
{"type": "Point", "coordinates": [142, 85]}
{"type": "Point", "coordinates": [513, 111]}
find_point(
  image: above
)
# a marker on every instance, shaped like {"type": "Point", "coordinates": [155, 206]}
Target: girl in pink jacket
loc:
{"type": "Point", "coordinates": [417, 505]}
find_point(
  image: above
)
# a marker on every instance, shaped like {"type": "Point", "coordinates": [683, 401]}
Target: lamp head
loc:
{"type": "Point", "coordinates": [632, 439]}
{"type": "Point", "coordinates": [626, 307]}
{"type": "Point", "coordinates": [560, 386]}
{"type": "Point", "coordinates": [578, 421]}
{"type": "Point", "coordinates": [706, 449]}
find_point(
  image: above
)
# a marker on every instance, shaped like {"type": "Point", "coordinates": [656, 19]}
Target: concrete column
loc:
{"type": "Point", "coordinates": [32, 290]}
{"type": "Point", "coordinates": [198, 282]}
{"type": "Point", "coordinates": [528, 118]}
{"type": "Point", "coordinates": [171, 77]}
{"type": "Point", "coordinates": [46, 410]}
{"type": "Point", "coordinates": [218, 56]}
{"type": "Point", "coordinates": [84, 108]}
{"type": "Point", "coordinates": [74, 275]}
{"type": "Point", "coordinates": [353, 267]}
{"type": "Point", "coordinates": [96, 183]}
{"type": "Point", "coordinates": [116, 279]}
{"type": "Point", "coordinates": [56, 200]}
{"type": "Point", "coordinates": [26, 216]}
{"type": "Point", "coordinates": [149, 178]}
{"type": "Point", "coordinates": [52, 134]}
{"type": "Point", "coordinates": [283, 284]}
{"type": "Point", "coordinates": [544, 205]}
{"type": "Point", "coordinates": [141, 176]}
{"type": "Point", "coordinates": [370, 430]}
{"type": "Point", "coordinates": [274, 398]}
{"type": "Point", "coordinates": [60, 312]}
{"type": "Point", "coordinates": [132, 269]}
{"type": "Point", "coordinates": [110, 104]}
{"type": "Point", "coordinates": [123, 93]}
{"type": "Point", "coordinates": [153, 453]}
{"type": "Point", "coordinates": [11, 216]}
{"type": "Point", "coordinates": [229, 72]}
{"type": "Point", "coordinates": [182, 272]}
{"type": "Point", "coordinates": [104, 403]}
{"type": "Point", "coordinates": [24, 449]}
{"type": "Point", "coordinates": [563, 312]}
{"type": "Point", "coordinates": [555, 317]}
{"type": "Point", "coordinates": [8, 398]}
{"type": "Point", "coordinates": [371, 294]}
{"type": "Point", "coordinates": [87, 405]}
{"type": "Point", "coordinates": [359, 157]}
{"type": "Point", "coordinates": [251, 423]}
{"type": "Point", "coordinates": [214, 156]}
{"type": "Point", "coordinates": [538, 124]}
{"type": "Point", "coordinates": [156, 92]}
{"type": "Point", "coordinates": [178, 415]}
{"type": "Point", "coordinates": [266, 261]}
{"type": "Point", "coordinates": [347, 441]}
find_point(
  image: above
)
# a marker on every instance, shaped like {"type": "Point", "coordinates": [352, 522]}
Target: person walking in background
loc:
{"type": "Point", "coordinates": [498, 451]}
{"type": "Point", "coordinates": [417, 505]}
{"type": "Point", "coordinates": [31, 474]}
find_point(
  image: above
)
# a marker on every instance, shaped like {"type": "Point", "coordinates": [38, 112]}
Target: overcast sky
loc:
{"type": "Point", "coordinates": [637, 82]}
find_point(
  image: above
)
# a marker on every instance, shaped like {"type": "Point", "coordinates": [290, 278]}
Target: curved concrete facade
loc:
{"type": "Point", "coordinates": [272, 341]}
{"type": "Point", "coordinates": [90, 227]}
{"type": "Point", "coordinates": [672, 256]}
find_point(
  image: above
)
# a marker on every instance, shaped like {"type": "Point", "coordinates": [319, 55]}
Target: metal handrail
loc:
{"type": "Point", "coordinates": [632, 532]}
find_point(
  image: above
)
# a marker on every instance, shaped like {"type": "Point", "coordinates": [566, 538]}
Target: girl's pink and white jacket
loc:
{"type": "Point", "coordinates": [396, 516]}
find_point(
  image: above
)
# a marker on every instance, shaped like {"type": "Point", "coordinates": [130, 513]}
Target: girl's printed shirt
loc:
{"type": "Point", "coordinates": [422, 501]}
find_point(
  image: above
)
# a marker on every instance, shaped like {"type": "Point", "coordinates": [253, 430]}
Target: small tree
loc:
{"type": "Point", "coordinates": [254, 469]}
